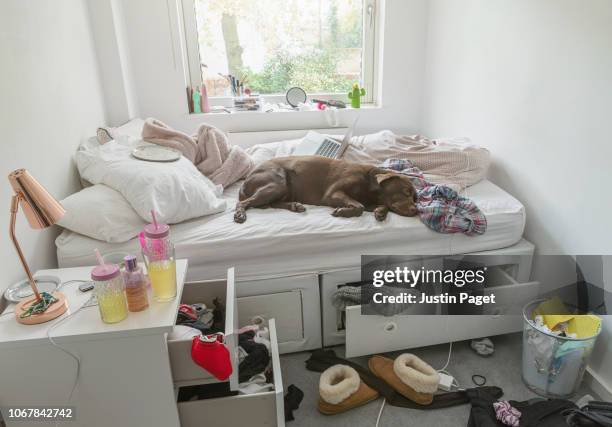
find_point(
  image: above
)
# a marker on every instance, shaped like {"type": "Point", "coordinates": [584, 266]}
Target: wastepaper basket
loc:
{"type": "Point", "coordinates": [553, 366]}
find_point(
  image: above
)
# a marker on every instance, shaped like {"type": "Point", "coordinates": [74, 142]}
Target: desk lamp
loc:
{"type": "Point", "coordinates": [41, 211]}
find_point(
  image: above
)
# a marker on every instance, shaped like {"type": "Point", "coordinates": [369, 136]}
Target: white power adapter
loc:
{"type": "Point", "coordinates": [446, 382]}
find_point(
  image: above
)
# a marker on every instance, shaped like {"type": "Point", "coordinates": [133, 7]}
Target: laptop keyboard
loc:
{"type": "Point", "coordinates": [329, 148]}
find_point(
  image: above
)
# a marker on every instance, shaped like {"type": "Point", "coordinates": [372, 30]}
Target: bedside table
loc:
{"type": "Point", "coordinates": [124, 378]}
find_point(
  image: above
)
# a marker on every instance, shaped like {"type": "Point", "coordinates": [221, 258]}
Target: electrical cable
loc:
{"type": "Point", "coordinates": [91, 302]}
{"type": "Point", "coordinates": [450, 350]}
{"type": "Point", "coordinates": [380, 411]}
{"type": "Point", "coordinates": [77, 359]}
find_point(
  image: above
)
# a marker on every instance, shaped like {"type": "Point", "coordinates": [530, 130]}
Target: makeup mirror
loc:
{"type": "Point", "coordinates": [295, 96]}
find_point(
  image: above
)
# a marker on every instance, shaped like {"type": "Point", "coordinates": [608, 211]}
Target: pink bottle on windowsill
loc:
{"type": "Point", "coordinates": [204, 106]}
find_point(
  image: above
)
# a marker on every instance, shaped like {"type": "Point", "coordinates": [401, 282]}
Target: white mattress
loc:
{"type": "Point", "coordinates": [275, 242]}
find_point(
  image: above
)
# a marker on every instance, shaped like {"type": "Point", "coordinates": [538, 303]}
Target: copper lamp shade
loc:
{"type": "Point", "coordinates": [41, 211]}
{"type": "Point", "coordinates": [39, 207]}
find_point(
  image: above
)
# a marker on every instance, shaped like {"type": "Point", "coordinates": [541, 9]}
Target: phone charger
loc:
{"type": "Point", "coordinates": [446, 382]}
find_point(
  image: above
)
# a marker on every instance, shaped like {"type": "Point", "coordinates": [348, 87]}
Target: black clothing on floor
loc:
{"type": "Point", "coordinates": [534, 413]}
{"type": "Point", "coordinates": [320, 360]}
{"type": "Point", "coordinates": [293, 398]}
{"type": "Point", "coordinates": [595, 414]}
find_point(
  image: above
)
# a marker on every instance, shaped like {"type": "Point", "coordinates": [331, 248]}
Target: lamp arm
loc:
{"type": "Point", "coordinates": [14, 208]}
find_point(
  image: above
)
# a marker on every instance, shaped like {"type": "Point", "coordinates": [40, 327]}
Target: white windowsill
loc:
{"type": "Point", "coordinates": [261, 121]}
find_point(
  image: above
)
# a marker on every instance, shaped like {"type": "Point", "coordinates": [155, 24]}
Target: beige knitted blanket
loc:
{"type": "Point", "coordinates": [209, 150]}
{"type": "Point", "coordinates": [454, 161]}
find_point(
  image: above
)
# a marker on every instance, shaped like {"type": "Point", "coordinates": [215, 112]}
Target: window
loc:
{"type": "Point", "coordinates": [322, 46]}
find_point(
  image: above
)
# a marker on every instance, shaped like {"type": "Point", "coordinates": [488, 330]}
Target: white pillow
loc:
{"type": "Point", "coordinates": [177, 191]}
{"type": "Point", "coordinates": [101, 213]}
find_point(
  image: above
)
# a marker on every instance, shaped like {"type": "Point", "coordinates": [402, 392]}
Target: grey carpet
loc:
{"type": "Point", "coordinates": [503, 369]}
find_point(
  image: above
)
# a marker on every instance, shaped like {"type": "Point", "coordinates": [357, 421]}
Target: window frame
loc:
{"type": "Point", "coordinates": [369, 55]}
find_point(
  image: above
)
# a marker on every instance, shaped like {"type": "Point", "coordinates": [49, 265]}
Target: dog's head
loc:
{"type": "Point", "coordinates": [397, 193]}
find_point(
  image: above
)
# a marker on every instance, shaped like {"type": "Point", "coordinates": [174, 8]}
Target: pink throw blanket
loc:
{"type": "Point", "coordinates": [209, 150]}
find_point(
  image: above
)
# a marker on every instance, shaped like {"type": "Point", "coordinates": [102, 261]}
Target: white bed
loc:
{"type": "Point", "coordinates": [279, 243]}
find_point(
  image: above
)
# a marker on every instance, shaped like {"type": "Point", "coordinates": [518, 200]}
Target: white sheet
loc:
{"type": "Point", "coordinates": [275, 242]}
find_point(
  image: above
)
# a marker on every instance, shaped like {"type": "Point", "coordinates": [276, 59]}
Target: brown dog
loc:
{"type": "Point", "coordinates": [350, 188]}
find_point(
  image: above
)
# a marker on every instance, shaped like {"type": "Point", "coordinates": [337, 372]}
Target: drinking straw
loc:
{"type": "Point", "coordinates": [99, 256]}
{"type": "Point", "coordinates": [154, 219]}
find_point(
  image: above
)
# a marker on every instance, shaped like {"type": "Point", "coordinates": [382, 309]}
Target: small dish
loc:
{"type": "Point", "coordinates": [21, 290]}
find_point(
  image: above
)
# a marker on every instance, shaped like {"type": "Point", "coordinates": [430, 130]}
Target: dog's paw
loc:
{"type": "Point", "coordinates": [297, 207]}
{"type": "Point", "coordinates": [380, 214]}
{"type": "Point", "coordinates": [240, 216]}
{"type": "Point", "coordinates": [340, 212]}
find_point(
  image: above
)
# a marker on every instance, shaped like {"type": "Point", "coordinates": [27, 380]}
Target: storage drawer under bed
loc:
{"type": "Point", "coordinates": [258, 409]}
{"type": "Point", "coordinates": [369, 334]}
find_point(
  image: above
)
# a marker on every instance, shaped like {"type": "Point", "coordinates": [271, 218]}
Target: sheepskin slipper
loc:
{"type": "Point", "coordinates": [341, 389]}
{"type": "Point", "coordinates": [408, 375]}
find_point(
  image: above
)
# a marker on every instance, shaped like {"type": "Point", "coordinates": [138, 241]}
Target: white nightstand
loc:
{"type": "Point", "coordinates": [125, 377]}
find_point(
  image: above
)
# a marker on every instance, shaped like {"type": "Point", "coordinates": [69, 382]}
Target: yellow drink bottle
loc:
{"type": "Point", "coordinates": [158, 253]}
{"type": "Point", "coordinates": [110, 292]}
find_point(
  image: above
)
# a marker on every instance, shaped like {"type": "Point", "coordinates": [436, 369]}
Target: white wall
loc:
{"type": "Point", "coordinates": [51, 97]}
{"type": "Point", "coordinates": [153, 69]}
{"type": "Point", "coordinates": [532, 81]}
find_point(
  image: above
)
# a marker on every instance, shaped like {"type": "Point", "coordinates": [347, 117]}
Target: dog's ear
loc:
{"type": "Point", "coordinates": [381, 177]}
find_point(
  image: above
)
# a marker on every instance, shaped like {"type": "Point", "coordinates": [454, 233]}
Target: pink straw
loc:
{"type": "Point", "coordinates": [99, 256]}
{"type": "Point", "coordinates": [154, 219]}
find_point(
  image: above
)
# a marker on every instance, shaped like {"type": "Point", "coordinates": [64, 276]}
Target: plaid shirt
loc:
{"type": "Point", "coordinates": [440, 207]}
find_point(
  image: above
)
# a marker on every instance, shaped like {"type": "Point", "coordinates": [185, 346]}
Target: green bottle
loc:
{"type": "Point", "coordinates": [196, 101]}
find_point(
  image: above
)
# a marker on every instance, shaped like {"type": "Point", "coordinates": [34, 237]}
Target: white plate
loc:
{"type": "Point", "coordinates": [22, 290]}
{"type": "Point", "coordinates": [156, 153]}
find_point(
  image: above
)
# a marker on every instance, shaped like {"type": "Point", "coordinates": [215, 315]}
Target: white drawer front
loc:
{"type": "Point", "coordinates": [257, 410]}
{"type": "Point", "coordinates": [378, 334]}
{"type": "Point", "coordinates": [184, 370]}
{"type": "Point", "coordinates": [284, 307]}
{"type": "Point", "coordinates": [293, 301]}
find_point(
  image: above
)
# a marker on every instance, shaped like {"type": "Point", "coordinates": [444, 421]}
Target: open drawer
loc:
{"type": "Point", "coordinates": [257, 410]}
{"type": "Point", "coordinates": [369, 334]}
{"type": "Point", "coordinates": [184, 371]}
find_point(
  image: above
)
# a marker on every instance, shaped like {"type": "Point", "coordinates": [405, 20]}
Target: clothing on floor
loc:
{"type": "Point", "coordinates": [506, 413]}
{"type": "Point", "coordinates": [320, 360]}
{"type": "Point", "coordinates": [483, 346]}
{"type": "Point", "coordinates": [534, 413]}
{"type": "Point", "coordinates": [293, 398]}
{"type": "Point", "coordinates": [440, 207]}
{"type": "Point", "coordinates": [595, 414]}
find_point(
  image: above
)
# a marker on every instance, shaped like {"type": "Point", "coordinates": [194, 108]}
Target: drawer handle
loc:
{"type": "Point", "coordinates": [390, 327]}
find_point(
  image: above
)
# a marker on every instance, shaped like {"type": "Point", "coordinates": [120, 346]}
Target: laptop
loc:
{"type": "Point", "coordinates": [315, 144]}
